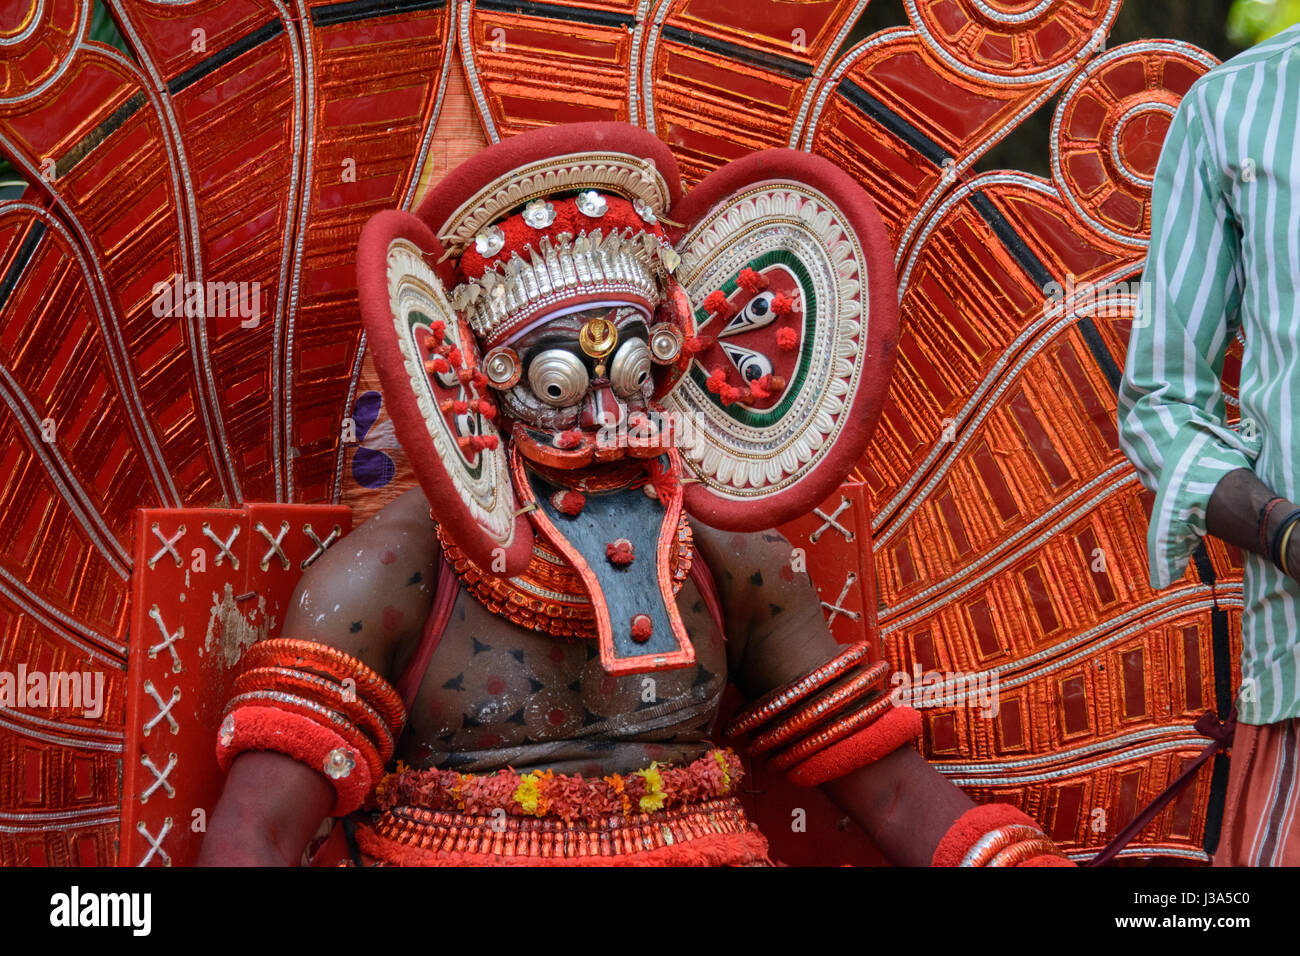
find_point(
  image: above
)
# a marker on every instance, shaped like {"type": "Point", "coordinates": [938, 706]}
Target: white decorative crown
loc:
{"type": "Point", "coordinates": [620, 265]}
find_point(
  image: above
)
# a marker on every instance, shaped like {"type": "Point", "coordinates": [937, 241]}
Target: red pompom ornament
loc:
{"type": "Point", "coordinates": [642, 628]}
{"type": "Point", "coordinates": [620, 552]}
{"type": "Point", "coordinates": [716, 302]}
{"type": "Point", "coordinates": [569, 503]}
{"type": "Point", "coordinates": [751, 281]}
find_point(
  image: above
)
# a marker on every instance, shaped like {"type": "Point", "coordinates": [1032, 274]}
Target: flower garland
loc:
{"type": "Point", "coordinates": [541, 793]}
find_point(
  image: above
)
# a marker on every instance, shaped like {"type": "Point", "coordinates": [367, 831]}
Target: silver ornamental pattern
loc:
{"type": "Point", "coordinates": [620, 263]}
{"type": "Point", "coordinates": [642, 209]}
{"type": "Point", "coordinates": [490, 241]}
{"type": "Point", "coordinates": [539, 214]}
{"type": "Point", "coordinates": [592, 204]}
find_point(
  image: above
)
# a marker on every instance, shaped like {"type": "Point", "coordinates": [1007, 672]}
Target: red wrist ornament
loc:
{"type": "Point", "coordinates": [826, 704]}
{"type": "Point", "coordinates": [900, 726]}
{"type": "Point", "coordinates": [250, 727]}
{"type": "Point", "coordinates": [303, 684]}
{"type": "Point", "coordinates": [996, 834]}
{"type": "Point", "coordinates": [318, 705]}
{"type": "Point", "coordinates": [786, 696]}
{"type": "Point", "coordinates": [833, 732]}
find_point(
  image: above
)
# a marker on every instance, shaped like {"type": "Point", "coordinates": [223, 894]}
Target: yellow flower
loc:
{"type": "Point", "coordinates": [654, 795]}
{"type": "Point", "coordinates": [529, 793]}
{"type": "Point", "coordinates": [726, 774]}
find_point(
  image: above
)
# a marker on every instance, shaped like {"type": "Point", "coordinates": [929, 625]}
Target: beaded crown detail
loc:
{"type": "Point", "coordinates": [595, 247]}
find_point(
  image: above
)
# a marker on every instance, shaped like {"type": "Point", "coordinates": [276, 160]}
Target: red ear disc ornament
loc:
{"type": "Point", "coordinates": [796, 319]}
{"type": "Point", "coordinates": [427, 359]}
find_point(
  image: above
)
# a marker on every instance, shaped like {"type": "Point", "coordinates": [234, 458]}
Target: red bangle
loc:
{"type": "Point", "coordinates": [325, 717]}
{"type": "Point", "coordinates": [333, 663]}
{"type": "Point", "coordinates": [828, 703]}
{"type": "Point", "coordinates": [1020, 853]}
{"type": "Point", "coordinates": [897, 728]}
{"type": "Point", "coordinates": [973, 826]}
{"type": "Point", "coordinates": [832, 733]}
{"type": "Point", "coordinates": [1049, 860]}
{"type": "Point", "coordinates": [787, 695]}
{"type": "Point", "coordinates": [270, 728]}
{"type": "Point", "coordinates": [324, 692]}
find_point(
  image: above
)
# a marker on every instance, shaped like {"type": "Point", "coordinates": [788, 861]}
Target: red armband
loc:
{"type": "Point", "coordinates": [321, 707]}
{"type": "Point", "coordinates": [250, 727]}
{"type": "Point", "coordinates": [842, 721]}
{"type": "Point", "coordinates": [897, 728]}
{"type": "Point", "coordinates": [997, 834]}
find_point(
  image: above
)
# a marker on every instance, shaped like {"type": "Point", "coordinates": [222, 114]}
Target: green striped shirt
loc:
{"type": "Point", "coordinates": [1224, 260]}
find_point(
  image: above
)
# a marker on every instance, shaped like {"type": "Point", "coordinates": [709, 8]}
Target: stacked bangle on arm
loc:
{"type": "Point", "coordinates": [831, 721]}
{"type": "Point", "coordinates": [997, 834]}
{"type": "Point", "coordinates": [320, 706]}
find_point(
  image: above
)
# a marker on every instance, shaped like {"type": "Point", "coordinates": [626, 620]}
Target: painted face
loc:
{"type": "Point", "coordinates": [587, 370]}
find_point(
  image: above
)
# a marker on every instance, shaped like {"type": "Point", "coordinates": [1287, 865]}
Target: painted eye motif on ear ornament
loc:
{"type": "Point", "coordinates": [751, 365]}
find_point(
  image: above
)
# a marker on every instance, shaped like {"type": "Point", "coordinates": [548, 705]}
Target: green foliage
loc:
{"type": "Point", "coordinates": [1252, 21]}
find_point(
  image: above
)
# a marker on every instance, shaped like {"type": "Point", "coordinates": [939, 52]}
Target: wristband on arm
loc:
{"type": "Point", "coordinates": [320, 706]}
{"type": "Point", "coordinates": [831, 721]}
{"type": "Point", "coordinates": [1281, 537]}
{"type": "Point", "coordinates": [997, 834]}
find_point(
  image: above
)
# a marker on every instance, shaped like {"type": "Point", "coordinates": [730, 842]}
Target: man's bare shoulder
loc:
{"type": "Point", "coordinates": [373, 589]}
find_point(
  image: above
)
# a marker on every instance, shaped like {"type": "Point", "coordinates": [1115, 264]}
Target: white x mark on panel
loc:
{"type": "Point", "coordinates": [223, 546]}
{"type": "Point", "coordinates": [168, 545]}
{"type": "Point", "coordinates": [275, 545]}
{"type": "Point", "coordinates": [164, 708]}
{"type": "Point", "coordinates": [168, 641]}
{"type": "Point", "coordinates": [320, 545]}
{"type": "Point", "coordinates": [830, 522]}
{"type": "Point", "coordinates": [836, 607]}
{"type": "Point", "coordinates": [160, 777]}
{"type": "Point", "coordinates": [155, 846]}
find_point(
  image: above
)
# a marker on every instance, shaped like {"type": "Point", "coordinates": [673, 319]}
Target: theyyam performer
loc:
{"type": "Point", "coordinates": [610, 393]}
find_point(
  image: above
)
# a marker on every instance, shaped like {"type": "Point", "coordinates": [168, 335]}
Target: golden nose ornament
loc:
{"type": "Point", "coordinates": [597, 338]}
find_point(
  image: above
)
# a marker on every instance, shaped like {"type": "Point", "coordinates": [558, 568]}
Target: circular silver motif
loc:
{"type": "Point", "coordinates": [339, 763]}
{"type": "Point", "coordinates": [630, 370]}
{"type": "Point", "coordinates": [665, 343]}
{"type": "Point", "coordinates": [490, 241]}
{"type": "Point", "coordinates": [592, 203]}
{"type": "Point", "coordinates": [226, 734]}
{"type": "Point", "coordinates": [539, 214]}
{"type": "Point", "coordinates": [642, 209]}
{"type": "Point", "coordinates": [558, 378]}
{"type": "Point", "coordinates": [502, 367]}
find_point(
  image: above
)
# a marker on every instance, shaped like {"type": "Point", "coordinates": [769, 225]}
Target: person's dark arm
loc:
{"type": "Point", "coordinates": [368, 596]}
{"type": "Point", "coordinates": [1233, 515]}
{"type": "Point", "coordinates": [776, 632]}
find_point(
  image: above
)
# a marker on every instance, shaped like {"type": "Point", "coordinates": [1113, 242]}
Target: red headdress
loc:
{"type": "Point", "coordinates": [768, 310]}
